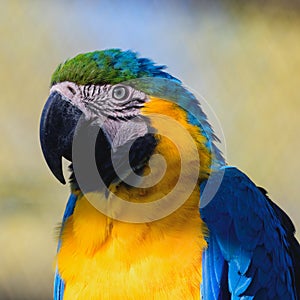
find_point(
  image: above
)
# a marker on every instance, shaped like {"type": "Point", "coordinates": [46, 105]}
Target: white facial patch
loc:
{"type": "Point", "coordinates": [114, 108]}
{"type": "Point", "coordinates": [119, 102]}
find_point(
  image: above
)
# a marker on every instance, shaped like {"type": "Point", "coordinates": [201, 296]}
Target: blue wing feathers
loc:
{"type": "Point", "coordinates": [214, 261]}
{"type": "Point", "coordinates": [253, 238]}
{"type": "Point", "coordinates": [59, 285]}
{"type": "Point", "coordinates": [70, 207]}
{"type": "Point", "coordinates": [290, 241]}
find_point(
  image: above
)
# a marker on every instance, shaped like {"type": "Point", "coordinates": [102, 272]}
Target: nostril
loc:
{"type": "Point", "coordinates": [71, 90]}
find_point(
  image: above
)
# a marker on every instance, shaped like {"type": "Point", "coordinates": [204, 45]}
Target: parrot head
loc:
{"type": "Point", "coordinates": [105, 92]}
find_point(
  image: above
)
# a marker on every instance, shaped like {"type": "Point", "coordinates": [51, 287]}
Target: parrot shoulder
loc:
{"type": "Point", "coordinates": [251, 250]}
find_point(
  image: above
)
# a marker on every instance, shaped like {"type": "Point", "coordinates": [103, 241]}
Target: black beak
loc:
{"type": "Point", "coordinates": [58, 122]}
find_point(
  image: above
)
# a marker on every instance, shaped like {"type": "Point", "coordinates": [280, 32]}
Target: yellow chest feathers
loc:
{"type": "Point", "coordinates": [102, 258]}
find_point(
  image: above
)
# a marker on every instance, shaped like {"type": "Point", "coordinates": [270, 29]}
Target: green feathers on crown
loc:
{"type": "Point", "coordinates": [110, 66]}
{"type": "Point", "coordinates": [114, 66]}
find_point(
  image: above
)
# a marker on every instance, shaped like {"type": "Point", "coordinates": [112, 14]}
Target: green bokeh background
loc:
{"type": "Point", "coordinates": [244, 59]}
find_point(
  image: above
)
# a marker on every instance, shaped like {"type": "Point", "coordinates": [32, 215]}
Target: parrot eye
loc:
{"type": "Point", "coordinates": [120, 93]}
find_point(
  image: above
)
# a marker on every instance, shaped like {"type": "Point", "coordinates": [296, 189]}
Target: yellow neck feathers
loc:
{"type": "Point", "coordinates": [103, 258]}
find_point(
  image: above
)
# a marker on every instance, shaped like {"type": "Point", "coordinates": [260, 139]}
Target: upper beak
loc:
{"type": "Point", "coordinates": [58, 122]}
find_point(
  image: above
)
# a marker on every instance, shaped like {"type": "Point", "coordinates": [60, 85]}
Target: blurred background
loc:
{"type": "Point", "coordinates": [243, 57]}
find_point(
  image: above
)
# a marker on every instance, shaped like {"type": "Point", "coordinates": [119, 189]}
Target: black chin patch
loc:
{"type": "Point", "coordinates": [139, 153]}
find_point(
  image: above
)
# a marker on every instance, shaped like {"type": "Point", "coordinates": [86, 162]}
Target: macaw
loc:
{"type": "Point", "coordinates": [225, 240]}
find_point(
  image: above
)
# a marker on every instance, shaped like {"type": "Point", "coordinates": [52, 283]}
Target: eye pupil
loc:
{"type": "Point", "coordinates": [119, 92]}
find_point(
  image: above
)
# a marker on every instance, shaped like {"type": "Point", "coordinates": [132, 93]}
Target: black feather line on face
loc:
{"type": "Point", "coordinates": [139, 154]}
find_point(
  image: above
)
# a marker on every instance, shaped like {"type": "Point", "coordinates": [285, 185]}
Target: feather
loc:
{"type": "Point", "coordinates": [255, 238]}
